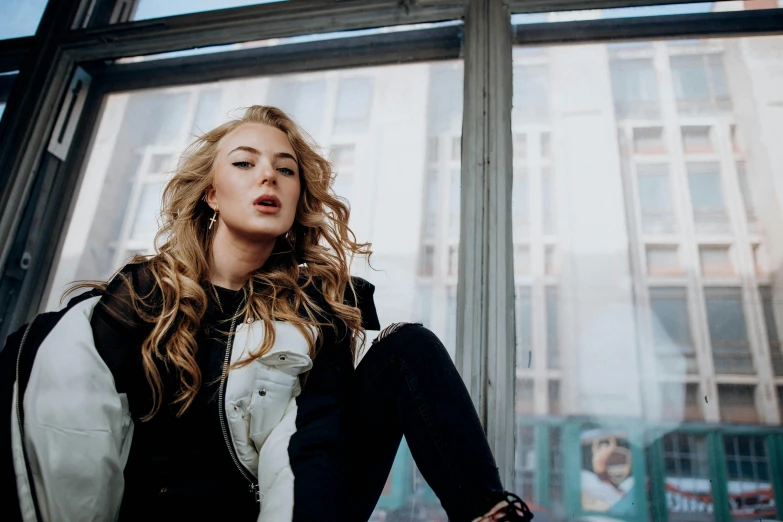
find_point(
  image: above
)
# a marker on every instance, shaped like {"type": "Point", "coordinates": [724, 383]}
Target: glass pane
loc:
{"type": "Point", "coordinates": [709, 212]}
{"type": "Point", "coordinates": [147, 9]}
{"type": "Point", "coordinates": [728, 332]}
{"type": "Point", "coordinates": [20, 18]}
{"type": "Point", "coordinates": [663, 260]}
{"type": "Point", "coordinates": [738, 403]}
{"type": "Point", "coordinates": [688, 479]}
{"type": "Point", "coordinates": [750, 490]}
{"type": "Point", "coordinates": [666, 197]}
{"type": "Point", "coordinates": [770, 322]}
{"type": "Point", "coordinates": [642, 11]}
{"type": "Point", "coordinates": [635, 90]}
{"type": "Point", "coordinates": [715, 261]}
{"type": "Point", "coordinates": [655, 199]}
{"type": "Point", "coordinates": [672, 331]}
{"type": "Point", "coordinates": [363, 118]}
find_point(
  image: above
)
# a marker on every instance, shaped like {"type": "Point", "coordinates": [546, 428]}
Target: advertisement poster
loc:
{"type": "Point", "coordinates": [606, 475]}
{"type": "Point", "coordinates": [691, 500]}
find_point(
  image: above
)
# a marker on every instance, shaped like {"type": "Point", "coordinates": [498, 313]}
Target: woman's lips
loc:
{"type": "Point", "coordinates": [267, 209]}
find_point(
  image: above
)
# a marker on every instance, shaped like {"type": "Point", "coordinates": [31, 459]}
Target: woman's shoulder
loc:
{"type": "Point", "coordinates": [134, 282]}
{"type": "Point", "coordinates": [359, 294]}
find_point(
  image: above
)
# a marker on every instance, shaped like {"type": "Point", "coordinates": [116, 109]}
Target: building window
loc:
{"type": "Point", "coordinates": [526, 461]}
{"type": "Point", "coordinates": [749, 478]}
{"type": "Point", "coordinates": [161, 163]}
{"type": "Point", "coordinates": [728, 332]}
{"type": "Point", "coordinates": [552, 335]}
{"type": "Point", "coordinates": [550, 260]}
{"type": "Point", "coordinates": [524, 327]}
{"type": "Point", "coordinates": [519, 204]}
{"type": "Point", "coordinates": [648, 140]}
{"type": "Point", "coordinates": [663, 260]}
{"type": "Point", "coordinates": [680, 402]}
{"type": "Point", "coordinates": [431, 210]}
{"type": "Point", "coordinates": [697, 140]}
{"type": "Point", "coordinates": [672, 331]}
{"type": "Point", "coordinates": [145, 220]}
{"type": "Point", "coordinates": [354, 104]}
{"type": "Point", "coordinates": [634, 89]}
{"type": "Point", "coordinates": [453, 260]}
{"type": "Point", "coordinates": [521, 259]}
{"type": "Point", "coordinates": [776, 355]}
{"type": "Point", "coordinates": [343, 155]}
{"type": "Point", "coordinates": [687, 469]}
{"type": "Point", "coordinates": [432, 149]}
{"type": "Point", "coordinates": [555, 405]}
{"type": "Point", "coordinates": [303, 100]}
{"type": "Point", "coordinates": [207, 111]}
{"type": "Point", "coordinates": [738, 403]}
{"type": "Point", "coordinates": [546, 144]}
{"type": "Point", "coordinates": [456, 148]}
{"type": "Point", "coordinates": [548, 201]}
{"type": "Point", "coordinates": [737, 143]}
{"type": "Point", "coordinates": [520, 145]}
{"type": "Point", "coordinates": [531, 94]}
{"type": "Point", "coordinates": [525, 396]}
{"type": "Point", "coordinates": [700, 84]}
{"type": "Point", "coordinates": [715, 261]}
{"type": "Point", "coordinates": [709, 213]}
{"type": "Point", "coordinates": [427, 266]}
{"type": "Point", "coordinates": [655, 199]}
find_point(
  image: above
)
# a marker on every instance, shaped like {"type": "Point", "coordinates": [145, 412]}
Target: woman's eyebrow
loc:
{"type": "Point", "coordinates": [251, 150]}
{"type": "Point", "coordinates": [245, 148]}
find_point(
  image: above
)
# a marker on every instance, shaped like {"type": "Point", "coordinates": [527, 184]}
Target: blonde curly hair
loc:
{"type": "Point", "coordinates": [318, 250]}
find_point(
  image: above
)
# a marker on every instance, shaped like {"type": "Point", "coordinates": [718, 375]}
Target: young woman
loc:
{"type": "Point", "coordinates": [216, 379]}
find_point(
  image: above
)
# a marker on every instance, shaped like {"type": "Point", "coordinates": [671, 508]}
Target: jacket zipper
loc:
{"type": "Point", "coordinates": [253, 487]}
{"type": "Point", "coordinates": [18, 363]}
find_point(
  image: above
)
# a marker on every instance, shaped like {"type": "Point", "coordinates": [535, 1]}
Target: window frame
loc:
{"type": "Point", "coordinates": [87, 35]}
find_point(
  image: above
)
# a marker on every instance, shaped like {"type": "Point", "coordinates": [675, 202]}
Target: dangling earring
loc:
{"type": "Point", "coordinates": [213, 219]}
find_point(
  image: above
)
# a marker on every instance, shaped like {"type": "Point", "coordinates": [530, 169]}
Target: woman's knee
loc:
{"type": "Point", "coordinates": [413, 337]}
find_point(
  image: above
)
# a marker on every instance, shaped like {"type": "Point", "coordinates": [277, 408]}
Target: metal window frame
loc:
{"type": "Point", "coordinates": [485, 346]}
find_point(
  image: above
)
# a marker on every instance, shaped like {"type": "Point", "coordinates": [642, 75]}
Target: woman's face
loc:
{"type": "Point", "coordinates": [256, 182]}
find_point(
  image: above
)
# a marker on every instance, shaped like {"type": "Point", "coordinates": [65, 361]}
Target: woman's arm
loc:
{"type": "Point", "coordinates": [77, 427]}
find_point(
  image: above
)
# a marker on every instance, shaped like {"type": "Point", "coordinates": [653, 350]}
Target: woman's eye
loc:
{"type": "Point", "coordinates": [286, 171]}
{"type": "Point", "coordinates": [243, 164]}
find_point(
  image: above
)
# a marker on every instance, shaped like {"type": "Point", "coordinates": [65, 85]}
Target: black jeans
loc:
{"type": "Point", "coordinates": [407, 385]}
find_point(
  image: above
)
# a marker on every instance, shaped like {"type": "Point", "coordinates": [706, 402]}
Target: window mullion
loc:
{"type": "Point", "coordinates": [485, 311]}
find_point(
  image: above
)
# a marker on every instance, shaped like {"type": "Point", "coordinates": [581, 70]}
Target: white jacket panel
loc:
{"type": "Point", "coordinates": [276, 479]}
{"type": "Point", "coordinates": [258, 394]}
{"type": "Point", "coordinates": [77, 427]}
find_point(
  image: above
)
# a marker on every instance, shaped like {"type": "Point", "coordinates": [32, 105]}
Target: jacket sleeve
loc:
{"type": "Point", "coordinates": [365, 302]}
{"type": "Point", "coordinates": [78, 428]}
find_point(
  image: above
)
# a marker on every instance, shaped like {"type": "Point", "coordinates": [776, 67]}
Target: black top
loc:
{"type": "Point", "coordinates": [180, 466]}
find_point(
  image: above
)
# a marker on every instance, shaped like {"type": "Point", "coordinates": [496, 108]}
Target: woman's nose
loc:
{"type": "Point", "coordinates": [268, 174]}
